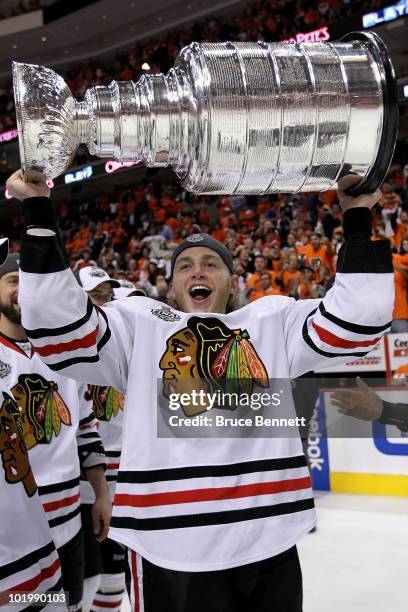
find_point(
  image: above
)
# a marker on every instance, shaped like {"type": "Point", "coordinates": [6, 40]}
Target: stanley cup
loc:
{"type": "Point", "coordinates": [229, 118]}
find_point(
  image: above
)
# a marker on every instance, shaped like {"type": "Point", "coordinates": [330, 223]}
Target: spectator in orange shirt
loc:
{"type": "Point", "coordinates": [253, 282]}
{"type": "Point", "coordinates": [401, 229]}
{"type": "Point", "coordinates": [400, 314]}
{"type": "Point", "coordinates": [264, 288]}
{"type": "Point", "coordinates": [291, 274]}
{"type": "Point", "coordinates": [316, 250]}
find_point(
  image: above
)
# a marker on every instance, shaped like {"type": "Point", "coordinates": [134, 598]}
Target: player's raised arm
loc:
{"type": "Point", "coordinates": [357, 311]}
{"type": "Point", "coordinates": [70, 334]}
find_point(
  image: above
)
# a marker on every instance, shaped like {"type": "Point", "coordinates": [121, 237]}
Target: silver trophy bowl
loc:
{"type": "Point", "coordinates": [229, 118]}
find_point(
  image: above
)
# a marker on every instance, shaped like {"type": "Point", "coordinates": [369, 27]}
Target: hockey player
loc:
{"type": "Point", "coordinates": [105, 560]}
{"type": "Point", "coordinates": [212, 524]}
{"type": "Point", "coordinates": [29, 562]}
{"type": "Point", "coordinates": [58, 437]}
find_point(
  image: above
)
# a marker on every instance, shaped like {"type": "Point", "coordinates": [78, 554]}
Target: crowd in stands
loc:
{"type": "Point", "coordinates": [270, 20]}
{"type": "Point", "coordinates": [282, 244]}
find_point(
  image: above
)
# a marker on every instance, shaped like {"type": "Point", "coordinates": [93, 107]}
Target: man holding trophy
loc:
{"type": "Point", "coordinates": [212, 524]}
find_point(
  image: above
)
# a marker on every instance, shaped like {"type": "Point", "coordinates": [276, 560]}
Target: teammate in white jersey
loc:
{"type": "Point", "coordinates": [29, 562]}
{"type": "Point", "coordinates": [212, 523]}
{"type": "Point", "coordinates": [105, 562]}
{"type": "Point", "coordinates": [60, 438]}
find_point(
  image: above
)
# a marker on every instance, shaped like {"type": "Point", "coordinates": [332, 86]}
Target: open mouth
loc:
{"type": "Point", "coordinates": [199, 293]}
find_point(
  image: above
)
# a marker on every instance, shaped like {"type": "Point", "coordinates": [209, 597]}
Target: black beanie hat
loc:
{"type": "Point", "coordinates": [204, 240]}
{"type": "Point", "coordinates": [10, 264]}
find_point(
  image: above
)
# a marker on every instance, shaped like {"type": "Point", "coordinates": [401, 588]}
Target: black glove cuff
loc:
{"type": "Point", "coordinates": [39, 212]}
{"type": "Point", "coordinates": [357, 223]}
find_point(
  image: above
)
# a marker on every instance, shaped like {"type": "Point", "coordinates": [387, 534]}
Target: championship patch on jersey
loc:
{"type": "Point", "coordinates": [106, 401]}
{"type": "Point", "coordinates": [13, 451]}
{"type": "Point", "coordinates": [43, 410]}
{"type": "Point", "coordinates": [207, 355]}
{"type": "Point", "coordinates": [5, 369]}
{"type": "Point", "coordinates": [165, 314]}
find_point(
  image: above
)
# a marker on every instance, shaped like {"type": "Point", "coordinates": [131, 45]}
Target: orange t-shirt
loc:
{"type": "Point", "coordinates": [321, 253]}
{"type": "Point", "coordinates": [254, 280]}
{"type": "Point", "coordinates": [290, 278]}
{"type": "Point", "coordinates": [401, 288]}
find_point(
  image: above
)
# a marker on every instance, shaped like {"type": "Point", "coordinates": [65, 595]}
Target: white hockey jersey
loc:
{"type": "Point", "coordinates": [198, 504]}
{"type": "Point", "coordinates": [29, 562]}
{"type": "Point", "coordinates": [203, 504]}
{"type": "Point", "coordinates": [52, 432]}
{"type": "Point", "coordinates": [107, 406]}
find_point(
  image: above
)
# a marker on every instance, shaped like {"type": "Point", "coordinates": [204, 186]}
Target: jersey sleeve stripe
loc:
{"type": "Point", "coordinates": [353, 327]}
{"type": "Point", "coordinates": [58, 486]}
{"type": "Point", "coordinates": [27, 561]}
{"type": "Point", "coordinates": [45, 332]}
{"type": "Point", "coordinates": [33, 583]}
{"type": "Point", "coordinates": [79, 343]}
{"type": "Point", "coordinates": [89, 419]}
{"type": "Point", "coordinates": [59, 520]}
{"type": "Point", "coordinates": [329, 338]}
{"type": "Point", "coordinates": [61, 503]}
{"type": "Point", "coordinates": [320, 351]}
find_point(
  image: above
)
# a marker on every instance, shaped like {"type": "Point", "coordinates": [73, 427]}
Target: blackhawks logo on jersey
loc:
{"type": "Point", "coordinates": [106, 401]}
{"type": "Point", "coordinates": [43, 409]}
{"type": "Point", "coordinates": [208, 355]}
{"type": "Point", "coordinates": [13, 451]}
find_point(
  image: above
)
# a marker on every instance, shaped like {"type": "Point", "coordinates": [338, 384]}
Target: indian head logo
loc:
{"type": "Point", "coordinates": [13, 451]}
{"type": "Point", "coordinates": [106, 401]}
{"type": "Point", "coordinates": [43, 409]}
{"type": "Point", "coordinates": [208, 355]}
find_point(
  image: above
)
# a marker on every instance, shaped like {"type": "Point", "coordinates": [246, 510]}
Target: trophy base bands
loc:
{"type": "Point", "coordinates": [58, 599]}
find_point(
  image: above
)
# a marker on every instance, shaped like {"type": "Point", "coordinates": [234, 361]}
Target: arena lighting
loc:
{"type": "Point", "coordinates": [389, 13]}
{"type": "Point", "coordinates": [79, 175]}
{"type": "Point", "coordinates": [10, 135]}
{"type": "Point", "coordinates": [319, 35]}
{"type": "Point", "coordinates": [145, 66]}
{"type": "Point", "coordinates": [8, 196]}
{"type": "Point", "coordinates": [112, 165]}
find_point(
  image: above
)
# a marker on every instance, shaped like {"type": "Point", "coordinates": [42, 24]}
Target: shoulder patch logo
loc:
{"type": "Point", "coordinates": [5, 369]}
{"type": "Point", "coordinates": [195, 238]}
{"type": "Point", "coordinates": [165, 314]}
{"type": "Point", "coordinates": [106, 401]}
{"type": "Point", "coordinates": [43, 411]}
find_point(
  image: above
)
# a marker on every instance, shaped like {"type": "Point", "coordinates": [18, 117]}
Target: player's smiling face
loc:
{"type": "Point", "coordinates": [201, 281]}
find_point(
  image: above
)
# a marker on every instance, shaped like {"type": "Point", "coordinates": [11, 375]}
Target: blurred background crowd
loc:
{"type": "Point", "coordinates": [282, 244]}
